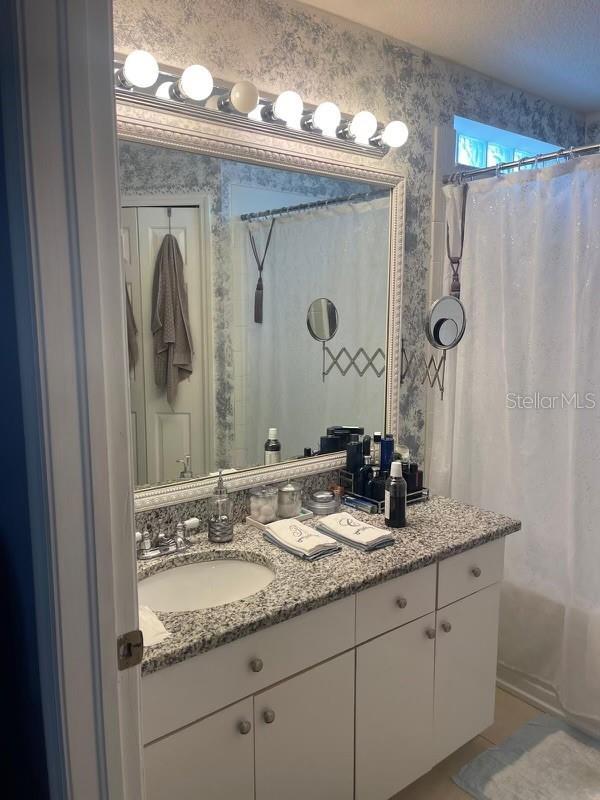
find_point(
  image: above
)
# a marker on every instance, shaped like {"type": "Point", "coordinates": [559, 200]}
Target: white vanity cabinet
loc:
{"type": "Point", "coordinates": [351, 701]}
{"type": "Point", "coordinates": [304, 734]}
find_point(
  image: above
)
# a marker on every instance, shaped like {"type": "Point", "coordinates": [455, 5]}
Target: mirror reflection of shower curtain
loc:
{"type": "Point", "coordinates": [518, 433]}
{"type": "Point", "coordinates": [339, 252]}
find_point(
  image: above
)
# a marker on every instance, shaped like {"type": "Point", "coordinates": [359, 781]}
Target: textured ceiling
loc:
{"type": "Point", "coordinates": [549, 47]}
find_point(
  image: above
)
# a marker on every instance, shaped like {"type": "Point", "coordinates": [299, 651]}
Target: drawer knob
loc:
{"type": "Point", "coordinates": [244, 727]}
{"type": "Point", "coordinates": [256, 664]}
{"type": "Point", "coordinates": [430, 633]}
{"type": "Point", "coordinates": [446, 627]}
{"type": "Point", "coordinates": [476, 572]}
{"type": "Point", "coordinates": [401, 602]}
{"type": "Point", "coordinates": [268, 716]}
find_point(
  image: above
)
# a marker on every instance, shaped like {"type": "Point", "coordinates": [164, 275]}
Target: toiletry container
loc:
{"type": "Point", "coordinates": [395, 498]}
{"type": "Point", "coordinates": [387, 453]}
{"type": "Point", "coordinates": [376, 486]}
{"type": "Point", "coordinates": [220, 514]}
{"type": "Point", "coordinates": [272, 448]}
{"type": "Point", "coordinates": [323, 501]}
{"type": "Point", "coordinates": [376, 449]}
{"type": "Point", "coordinates": [364, 476]}
{"type": "Point", "coordinates": [354, 458]}
{"type": "Point", "coordinates": [263, 503]}
{"type": "Point", "coordinates": [289, 500]}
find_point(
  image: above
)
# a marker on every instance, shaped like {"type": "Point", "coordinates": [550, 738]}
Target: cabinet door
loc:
{"type": "Point", "coordinates": [212, 759]}
{"type": "Point", "coordinates": [304, 735]}
{"type": "Point", "coordinates": [394, 709]}
{"type": "Point", "coordinates": [465, 669]}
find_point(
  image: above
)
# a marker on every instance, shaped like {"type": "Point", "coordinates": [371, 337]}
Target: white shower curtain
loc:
{"type": "Point", "coordinates": [519, 428]}
{"type": "Point", "coordinates": [340, 252]}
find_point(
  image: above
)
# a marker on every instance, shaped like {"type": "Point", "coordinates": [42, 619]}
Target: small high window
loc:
{"type": "Point", "coordinates": [479, 145]}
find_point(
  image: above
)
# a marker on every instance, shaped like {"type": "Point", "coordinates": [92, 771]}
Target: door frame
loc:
{"type": "Point", "coordinates": [70, 305]}
{"type": "Point", "coordinates": [205, 354]}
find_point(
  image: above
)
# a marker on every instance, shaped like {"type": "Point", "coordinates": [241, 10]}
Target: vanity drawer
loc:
{"type": "Point", "coordinates": [183, 693]}
{"type": "Point", "coordinates": [396, 602]}
{"type": "Point", "coordinates": [470, 571]}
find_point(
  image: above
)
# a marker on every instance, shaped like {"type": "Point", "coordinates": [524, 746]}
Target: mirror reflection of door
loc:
{"type": "Point", "coordinates": [164, 433]}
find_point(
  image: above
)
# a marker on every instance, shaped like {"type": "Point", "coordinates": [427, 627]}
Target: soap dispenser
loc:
{"type": "Point", "coordinates": [220, 514]}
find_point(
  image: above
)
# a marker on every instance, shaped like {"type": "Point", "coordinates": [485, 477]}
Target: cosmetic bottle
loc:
{"type": "Point", "coordinates": [354, 457]}
{"type": "Point", "coordinates": [376, 449]}
{"type": "Point", "coordinates": [366, 443]}
{"type": "Point", "coordinates": [272, 448]}
{"type": "Point", "coordinates": [376, 486]}
{"type": "Point", "coordinates": [387, 453]}
{"type": "Point", "coordinates": [364, 476]}
{"type": "Point", "coordinates": [220, 514]}
{"type": "Point", "coordinates": [395, 498]}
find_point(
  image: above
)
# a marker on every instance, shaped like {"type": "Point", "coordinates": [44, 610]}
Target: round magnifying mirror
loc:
{"type": "Point", "coordinates": [322, 319]}
{"type": "Point", "coordinates": [446, 323]}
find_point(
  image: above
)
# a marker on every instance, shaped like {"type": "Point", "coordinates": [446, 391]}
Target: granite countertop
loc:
{"type": "Point", "coordinates": [436, 529]}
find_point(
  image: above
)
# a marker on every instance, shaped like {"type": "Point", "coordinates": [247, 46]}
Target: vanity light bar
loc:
{"type": "Point", "coordinates": [139, 76]}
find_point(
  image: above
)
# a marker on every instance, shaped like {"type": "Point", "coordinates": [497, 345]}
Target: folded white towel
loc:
{"type": "Point", "coordinates": [300, 540]}
{"type": "Point", "coordinates": [153, 631]}
{"type": "Point", "coordinates": [350, 530]}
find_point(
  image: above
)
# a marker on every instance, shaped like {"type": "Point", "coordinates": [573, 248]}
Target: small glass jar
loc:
{"type": "Point", "coordinates": [263, 504]}
{"type": "Point", "coordinates": [289, 502]}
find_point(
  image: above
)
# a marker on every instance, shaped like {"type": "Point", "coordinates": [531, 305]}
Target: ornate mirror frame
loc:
{"type": "Point", "coordinates": [154, 122]}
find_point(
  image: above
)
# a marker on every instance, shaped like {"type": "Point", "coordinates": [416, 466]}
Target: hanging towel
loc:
{"type": "Point", "coordinates": [132, 342]}
{"type": "Point", "coordinates": [153, 631]}
{"type": "Point", "coordinates": [173, 348]}
{"type": "Point", "coordinates": [350, 530]}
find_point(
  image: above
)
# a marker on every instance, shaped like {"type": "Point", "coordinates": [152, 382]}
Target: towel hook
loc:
{"type": "Point", "coordinates": [169, 211]}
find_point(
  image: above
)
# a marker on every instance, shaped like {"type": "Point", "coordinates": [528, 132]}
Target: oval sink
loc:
{"type": "Point", "coordinates": [203, 584]}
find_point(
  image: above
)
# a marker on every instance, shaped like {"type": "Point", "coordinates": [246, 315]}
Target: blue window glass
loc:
{"type": "Point", "coordinates": [470, 152]}
{"type": "Point", "coordinates": [498, 154]}
{"type": "Point", "coordinates": [523, 154]}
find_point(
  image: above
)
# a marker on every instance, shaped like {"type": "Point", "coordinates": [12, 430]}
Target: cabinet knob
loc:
{"type": "Point", "coordinates": [430, 633]}
{"type": "Point", "coordinates": [256, 664]}
{"type": "Point", "coordinates": [446, 627]}
{"type": "Point", "coordinates": [244, 727]}
{"type": "Point", "coordinates": [476, 572]}
{"type": "Point", "coordinates": [401, 602]}
{"type": "Point", "coordinates": [268, 716]}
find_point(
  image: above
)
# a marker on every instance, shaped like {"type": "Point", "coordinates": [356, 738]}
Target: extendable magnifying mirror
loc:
{"type": "Point", "coordinates": [322, 319]}
{"type": "Point", "coordinates": [446, 323]}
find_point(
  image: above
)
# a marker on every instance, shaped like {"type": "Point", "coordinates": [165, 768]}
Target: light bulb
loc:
{"type": "Point", "coordinates": [140, 69]}
{"type": "Point", "coordinates": [363, 126]}
{"type": "Point", "coordinates": [164, 90]}
{"type": "Point", "coordinates": [257, 115]}
{"type": "Point", "coordinates": [326, 118]}
{"type": "Point", "coordinates": [242, 97]}
{"type": "Point", "coordinates": [394, 134]}
{"type": "Point", "coordinates": [196, 83]}
{"type": "Point", "coordinates": [288, 107]}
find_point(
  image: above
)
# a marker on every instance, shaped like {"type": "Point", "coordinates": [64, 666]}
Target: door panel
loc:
{"type": "Point", "coordinates": [394, 710]}
{"type": "Point", "coordinates": [465, 669]}
{"type": "Point", "coordinates": [307, 751]}
{"type": "Point", "coordinates": [183, 421]}
{"type": "Point", "coordinates": [210, 759]}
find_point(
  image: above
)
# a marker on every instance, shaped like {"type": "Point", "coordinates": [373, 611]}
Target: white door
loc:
{"type": "Point", "coordinates": [465, 669]}
{"type": "Point", "coordinates": [172, 432]}
{"type": "Point", "coordinates": [394, 709]}
{"type": "Point", "coordinates": [131, 267]}
{"type": "Point", "coordinates": [304, 735]}
{"type": "Point", "coordinates": [212, 759]}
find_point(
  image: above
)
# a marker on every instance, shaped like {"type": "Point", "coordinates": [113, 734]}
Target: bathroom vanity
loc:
{"type": "Point", "coordinates": [346, 678]}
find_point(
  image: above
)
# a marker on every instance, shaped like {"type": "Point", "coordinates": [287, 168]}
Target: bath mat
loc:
{"type": "Point", "coordinates": [546, 759]}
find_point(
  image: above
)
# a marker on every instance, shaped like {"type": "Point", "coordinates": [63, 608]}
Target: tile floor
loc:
{"type": "Point", "coordinates": [511, 713]}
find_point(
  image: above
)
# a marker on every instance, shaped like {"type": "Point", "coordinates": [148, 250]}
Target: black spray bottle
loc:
{"type": "Point", "coordinates": [272, 448]}
{"type": "Point", "coordinates": [395, 497]}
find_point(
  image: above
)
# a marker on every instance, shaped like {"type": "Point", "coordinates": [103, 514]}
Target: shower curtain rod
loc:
{"type": "Point", "coordinates": [473, 174]}
{"type": "Point", "coordinates": [275, 212]}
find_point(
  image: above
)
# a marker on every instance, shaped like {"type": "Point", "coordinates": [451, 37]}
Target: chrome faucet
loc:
{"type": "Point", "coordinates": [164, 545]}
{"type": "Point", "coordinates": [186, 472]}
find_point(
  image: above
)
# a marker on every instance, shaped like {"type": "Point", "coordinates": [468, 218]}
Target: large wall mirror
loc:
{"type": "Point", "coordinates": [259, 296]}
